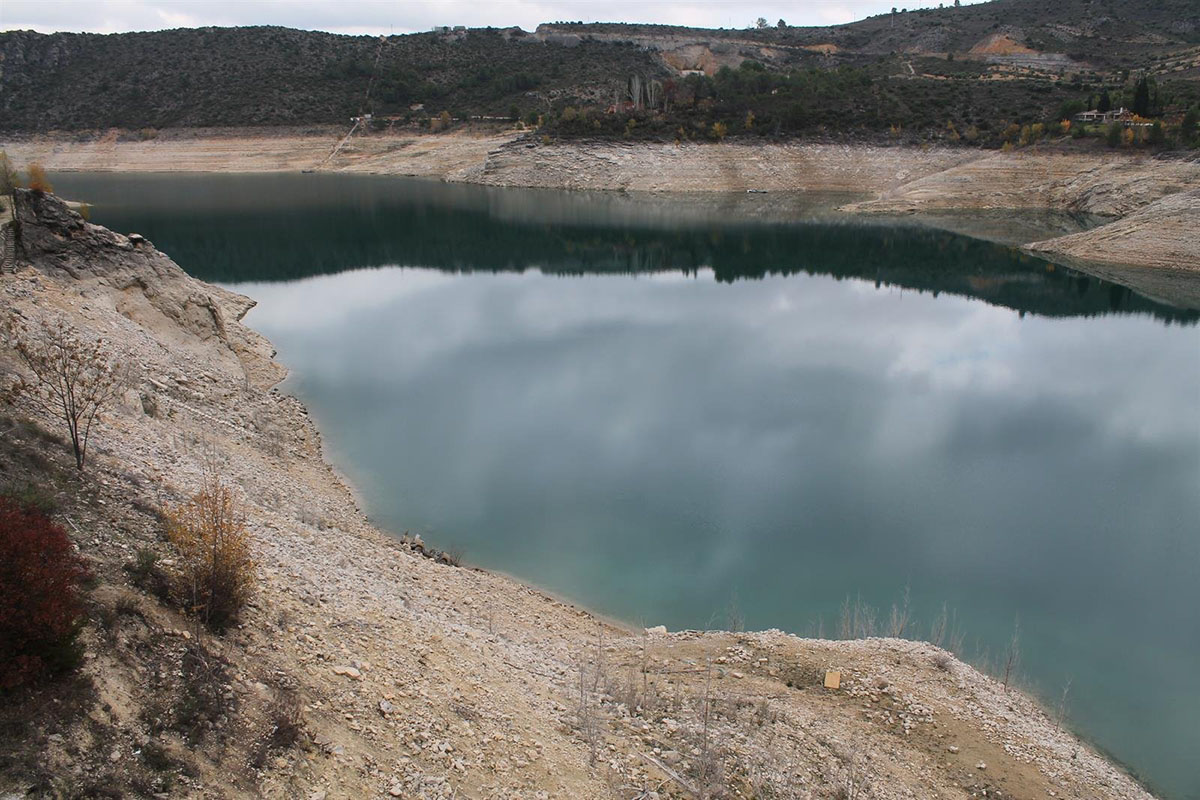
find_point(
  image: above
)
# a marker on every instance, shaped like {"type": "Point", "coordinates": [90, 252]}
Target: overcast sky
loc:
{"type": "Point", "coordinates": [406, 16]}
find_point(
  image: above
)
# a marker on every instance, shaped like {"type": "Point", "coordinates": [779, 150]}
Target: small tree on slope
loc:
{"type": "Point", "coordinates": [73, 379]}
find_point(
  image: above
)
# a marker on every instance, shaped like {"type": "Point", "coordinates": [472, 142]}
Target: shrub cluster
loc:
{"type": "Point", "coordinates": [216, 573]}
{"type": "Point", "coordinates": [41, 608]}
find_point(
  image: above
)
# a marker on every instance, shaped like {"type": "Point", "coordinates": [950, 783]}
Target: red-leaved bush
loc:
{"type": "Point", "coordinates": [41, 608]}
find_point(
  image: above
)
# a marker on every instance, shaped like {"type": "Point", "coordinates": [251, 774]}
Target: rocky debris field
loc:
{"type": "Point", "coordinates": [370, 667]}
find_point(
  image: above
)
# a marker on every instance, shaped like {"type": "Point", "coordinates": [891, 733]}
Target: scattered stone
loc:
{"type": "Point", "coordinates": [981, 765]}
{"type": "Point", "coordinates": [349, 672]}
{"type": "Point", "coordinates": [952, 748]}
{"type": "Point", "coordinates": [657, 630]}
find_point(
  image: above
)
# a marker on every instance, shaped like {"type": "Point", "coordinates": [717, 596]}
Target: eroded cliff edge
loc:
{"type": "Point", "coordinates": [419, 678]}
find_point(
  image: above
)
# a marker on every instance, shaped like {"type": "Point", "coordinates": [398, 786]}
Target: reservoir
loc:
{"type": "Point", "coordinates": [725, 411]}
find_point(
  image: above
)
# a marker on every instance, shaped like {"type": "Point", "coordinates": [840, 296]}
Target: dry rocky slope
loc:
{"type": "Point", "coordinates": [1162, 235]}
{"type": "Point", "coordinates": [420, 678]}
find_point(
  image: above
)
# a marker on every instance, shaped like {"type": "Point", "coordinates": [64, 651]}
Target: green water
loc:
{"type": "Point", "coordinates": [668, 408]}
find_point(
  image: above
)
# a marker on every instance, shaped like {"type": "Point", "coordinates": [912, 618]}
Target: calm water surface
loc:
{"type": "Point", "coordinates": [685, 410]}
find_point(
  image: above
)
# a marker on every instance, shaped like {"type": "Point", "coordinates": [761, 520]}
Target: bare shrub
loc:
{"type": "Point", "coordinates": [709, 766]}
{"type": "Point", "coordinates": [899, 619]}
{"type": "Point", "coordinates": [1012, 655]}
{"type": "Point", "coordinates": [735, 620]}
{"type": "Point", "coordinates": [589, 722]}
{"type": "Point", "coordinates": [37, 179]}
{"type": "Point", "coordinates": [287, 718]}
{"type": "Point", "coordinates": [73, 378]}
{"type": "Point", "coordinates": [146, 574]}
{"type": "Point", "coordinates": [31, 495]}
{"type": "Point", "coordinates": [156, 756]}
{"type": "Point", "coordinates": [203, 699]}
{"type": "Point", "coordinates": [285, 713]}
{"type": "Point", "coordinates": [216, 573]}
{"type": "Point", "coordinates": [1060, 710]}
{"type": "Point", "coordinates": [128, 605]}
{"type": "Point", "coordinates": [857, 619]}
{"type": "Point", "coordinates": [937, 631]}
{"type": "Point", "coordinates": [852, 781]}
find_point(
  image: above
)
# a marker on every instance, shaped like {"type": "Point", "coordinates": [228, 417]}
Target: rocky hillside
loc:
{"type": "Point", "coordinates": [1079, 34]}
{"type": "Point", "coordinates": [369, 666]}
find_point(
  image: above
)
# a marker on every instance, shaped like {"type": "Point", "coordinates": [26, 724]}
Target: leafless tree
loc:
{"type": "Point", "coordinates": [73, 377]}
{"type": "Point", "coordinates": [654, 93]}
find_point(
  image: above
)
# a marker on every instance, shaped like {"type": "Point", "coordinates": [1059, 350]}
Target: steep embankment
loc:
{"type": "Point", "coordinates": [418, 678]}
{"type": "Point", "coordinates": [1162, 234]}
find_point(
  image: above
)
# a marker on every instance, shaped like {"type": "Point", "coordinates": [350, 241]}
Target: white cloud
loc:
{"type": "Point", "coordinates": [387, 16]}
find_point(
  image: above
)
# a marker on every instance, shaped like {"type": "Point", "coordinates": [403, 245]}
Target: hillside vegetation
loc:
{"type": "Point", "coordinates": [958, 74]}
{"type": "Point", "coordinates": [278, 76]}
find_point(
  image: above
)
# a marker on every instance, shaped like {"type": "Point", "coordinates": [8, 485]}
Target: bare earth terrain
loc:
{"type": "Point", "coordinates": [900, 179]}
{"type": "Point", "coordinates": [417, 678]}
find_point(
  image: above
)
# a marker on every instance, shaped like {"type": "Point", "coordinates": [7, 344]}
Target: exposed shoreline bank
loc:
{"type": "Point", "coordinates": [1148, 196]}
{"type": "Point", "coordinates": [442, 680]}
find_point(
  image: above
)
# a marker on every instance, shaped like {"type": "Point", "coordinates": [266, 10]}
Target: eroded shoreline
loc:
{"type": "Point", "coordinates": [1156, 199]}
